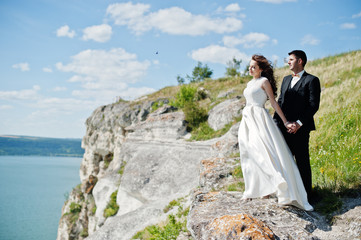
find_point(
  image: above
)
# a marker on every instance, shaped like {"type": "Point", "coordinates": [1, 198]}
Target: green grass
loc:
{"type": "Point", "coordinates": [237, 175]}
{"type": "Point", "coordinates": [112, 207]}
{"type": "Point", "coordinates": [171, 205]}
{"type": "Point", "coordinates": [335, 146]}
{"type": "Point", "coordinates": [122, 166]}
{"type": "Point", "coordinates": [205, 132]}
{"type": "Point", "coordinates": [169, 229]}
{"type": "Point", "coordinates": [336, 153]}
{"type": "Point", "coordinates": [74, 212]}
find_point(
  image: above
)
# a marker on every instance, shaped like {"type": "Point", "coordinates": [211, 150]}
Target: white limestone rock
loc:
{"type": "Point", "coordinates": [224, 113]}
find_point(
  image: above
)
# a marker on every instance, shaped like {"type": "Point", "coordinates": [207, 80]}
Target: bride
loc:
{"type": "Point", "coordinates": [267, 163]}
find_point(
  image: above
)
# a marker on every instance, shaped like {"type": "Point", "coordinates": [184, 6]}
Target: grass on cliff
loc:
{"type": "Point", "coordinates": [169, 229]}
{"type": "Point", "coordinates": [112, 206]}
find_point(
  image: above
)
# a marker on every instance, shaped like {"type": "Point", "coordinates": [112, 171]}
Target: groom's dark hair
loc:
{"type": "Point", "coordinates": [300, 54]}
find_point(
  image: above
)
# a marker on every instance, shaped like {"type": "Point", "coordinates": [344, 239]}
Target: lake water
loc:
{"type": "Point", "coordinates": [32, 193]}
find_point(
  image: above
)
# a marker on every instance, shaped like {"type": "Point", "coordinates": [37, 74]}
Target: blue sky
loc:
{"type": "Point", "coordinates": [59, 60]}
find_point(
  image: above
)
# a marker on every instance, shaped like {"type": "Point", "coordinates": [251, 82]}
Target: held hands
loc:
{"type": "Point", "coordinates": [292, 127]}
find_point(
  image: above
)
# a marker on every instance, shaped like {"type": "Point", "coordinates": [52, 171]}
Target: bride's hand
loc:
{"type": "Point", "coordinates": [289, 126]}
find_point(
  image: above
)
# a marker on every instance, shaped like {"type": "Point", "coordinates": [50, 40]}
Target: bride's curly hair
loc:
{"type": "Point", "coordinates": [267, 70]}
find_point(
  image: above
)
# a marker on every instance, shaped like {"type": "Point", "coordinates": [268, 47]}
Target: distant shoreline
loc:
{"type": "Point", "coordinates": [13, 145]}
{"type": "Point", "coordinates": [39, 155]}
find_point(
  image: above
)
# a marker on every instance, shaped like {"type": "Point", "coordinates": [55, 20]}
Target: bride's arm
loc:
{"type": "Point", "coordinates": [266, 86]}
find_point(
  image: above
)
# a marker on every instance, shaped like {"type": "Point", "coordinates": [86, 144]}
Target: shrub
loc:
{"type": "Point", "coordinates": [157, 105]}
{"type": "Point", "coordinates": [75, 207]}
{"type": "Point", "coordinates": [194, 114]}
{"type": "Point", "coordinates": [185, 94]}
{"type": "Point", "coordinates": [74, 211]}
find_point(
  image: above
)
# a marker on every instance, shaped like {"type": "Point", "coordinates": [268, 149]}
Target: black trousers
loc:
{"type": "Point", "coordinates": [299, 146]}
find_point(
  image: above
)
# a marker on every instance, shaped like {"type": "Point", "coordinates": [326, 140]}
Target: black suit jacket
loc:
{"type": "Point", "coordinates": [300, 102]}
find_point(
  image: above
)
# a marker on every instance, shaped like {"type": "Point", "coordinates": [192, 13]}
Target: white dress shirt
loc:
{"type": "Point", "coordinates": [296, 79]}
{"type": "Point", "coordinates": [293, 83]}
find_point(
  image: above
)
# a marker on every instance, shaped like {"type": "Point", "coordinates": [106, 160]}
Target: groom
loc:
{"type": "Point", "coordinates": [299, 100]}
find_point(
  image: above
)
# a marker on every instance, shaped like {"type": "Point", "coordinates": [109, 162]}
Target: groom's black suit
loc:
{"type": "Point", "coordinates": [300, 102]}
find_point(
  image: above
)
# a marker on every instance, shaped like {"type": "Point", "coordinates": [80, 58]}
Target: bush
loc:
{"type": "Point", "coordinates": [75, 208]}
{"type": "Point", "coordinates": [186, 93]}
{"type": "Point", "coordinates": [74, 211]}
{"type": "Point", "coordinates": [194, 114]}
{"type": "Point", "coordinates": [157, 105]}
{"type": "Point", "coordinates": [186, 99]}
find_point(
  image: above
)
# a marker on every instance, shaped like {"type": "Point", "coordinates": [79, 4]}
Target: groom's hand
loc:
{"type": "Point", "coordinates": [294, 128]}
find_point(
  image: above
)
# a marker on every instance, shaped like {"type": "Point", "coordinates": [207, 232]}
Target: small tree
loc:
{"type": "Point", "coordinates": [233, 67]}
{"type": "Point", "coordinates": [200, 73]}
{"type": "Point", "coordinates": [180, 80]}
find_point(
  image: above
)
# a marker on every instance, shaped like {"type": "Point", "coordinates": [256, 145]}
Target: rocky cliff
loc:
{"type": "Point", "coordinates": [145, 158]}
{"type": "Point", "coordinates": [141, 160]}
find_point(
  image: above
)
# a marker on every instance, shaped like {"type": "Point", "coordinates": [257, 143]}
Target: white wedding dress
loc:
{"type": "Point", "coordinates": [267, 163]}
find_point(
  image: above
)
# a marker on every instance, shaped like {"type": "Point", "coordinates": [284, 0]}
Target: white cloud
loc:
{"type": "Point", "coordinates": [218, 54]}
{"type": "Point", "coordinates": [59, 89]}
{"type": "Point", "coordinates": [251, 40]}
{"type": "Point", "coordinates": [309, 40]}
{"type": "Point", "coordinates": [356, 15]}
{"type": "Point", "coordinates": [49, 70]}
{"type": "Point", "coordinates": [348, 26]}
{"type": "Point", "coordinates": [127, 13]}
{"type": "Point", "coordinates": [234, 7]}
{"type": "Point", "coordinates": [275, 1]}
{"type": "Point", "coordinates": [68, 105]}
{"type": "Point", "coordinates": [230, 9]}
{"type": "Point", "coordinates": [172, 20]}
{"type": "Point", "coordinates": [64, 31]}
{"type": "Point", "coordinates": [103, 74]}
{"type": "Point", "coordinates": [5, 107]}
{"type": "Point", "coordinates": [26, 94]}
{"type": "Point", "coordinates": [22, 66]}
{"type": "Point", "coordinates": [98, 33]}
